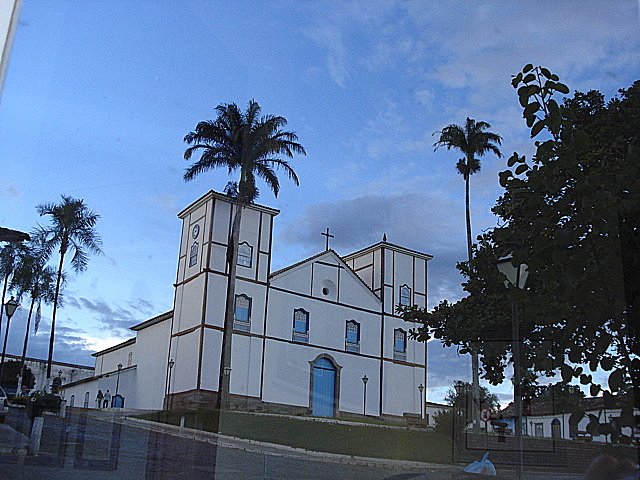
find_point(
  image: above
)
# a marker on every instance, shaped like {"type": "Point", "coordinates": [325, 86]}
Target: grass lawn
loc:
{"type": "Point", "coordinates": [366, 441]}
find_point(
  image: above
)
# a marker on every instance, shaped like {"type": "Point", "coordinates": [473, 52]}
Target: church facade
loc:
{"type": "Point", "coordinates": [319, 337]}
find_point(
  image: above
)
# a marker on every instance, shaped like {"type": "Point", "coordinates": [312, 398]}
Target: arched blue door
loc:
{"type": "Point", "coordinates": [324, 388]}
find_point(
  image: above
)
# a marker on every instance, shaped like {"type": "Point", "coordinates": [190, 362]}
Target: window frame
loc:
{"type": "Point", "coordinates": [250, 257]}
{"type": "Point", "coordinates": [193, 254]}
{"type": "Point", "coordinates": [296, 335]}
{"type": "Point", "coordinates": [400, 354]}
{"type": "Point", "coordinates": [353, 347]}
{"type": "Point", "coordinates": [238, 324]}
{"type": "Point", "coordinates": [407, 294]}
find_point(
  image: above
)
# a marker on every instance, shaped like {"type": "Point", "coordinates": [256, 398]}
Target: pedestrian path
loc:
{"type": "Point", "coordinates": [12, 441]}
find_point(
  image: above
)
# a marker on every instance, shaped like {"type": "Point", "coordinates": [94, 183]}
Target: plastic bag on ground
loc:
{"type": "Point", "coordinates": [482, 467]}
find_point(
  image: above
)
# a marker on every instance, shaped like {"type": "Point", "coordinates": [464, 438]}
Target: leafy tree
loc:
{"type": "Point", "coordinates": [72, 230]}
{"type": "Point", "coordinates": [473, 140]}
{"type": "Point", "coordinates": [34, 278]}
{"type": "Point", "coordinates": [444, 420]}
{"type": "Point", "coordinates": [570, 214]}
{"type": "Point", "coordinates": [8, 258]}
{"type": "Point", "coordinates": [254, 145]}
{"type": "Point", "coordinates": [10, 371]}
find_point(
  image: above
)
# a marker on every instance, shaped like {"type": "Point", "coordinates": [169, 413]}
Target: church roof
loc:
{"type": "Point", "coordinates": [152, 321]}
{"type": "Point", "coordinates": [391, 246]}
{"type": "Point", "coordinates": [126, 343]}
{"type": "Point", "coordinates": [221, 196]}
{"type": "Point", "coordinates": [342, 264]}
{"type": "Point", "coordinates": [8, 235]}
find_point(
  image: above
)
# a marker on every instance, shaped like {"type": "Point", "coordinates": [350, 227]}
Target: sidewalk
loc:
{"type": "Point", "coordinates": [456, 471]}
{"type": "Point", "coordinates": [12, 441]}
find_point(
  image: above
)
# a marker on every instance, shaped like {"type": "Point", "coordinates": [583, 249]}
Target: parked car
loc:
{"type": "Point", "coordinates": [4, 401]}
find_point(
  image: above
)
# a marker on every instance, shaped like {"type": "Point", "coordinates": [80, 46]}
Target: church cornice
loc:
{"type": "Point", "coordinates": [212, 194]}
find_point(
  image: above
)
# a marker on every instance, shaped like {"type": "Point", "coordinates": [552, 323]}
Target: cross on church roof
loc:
{"type": "Point", "coordinates": [328, 236]}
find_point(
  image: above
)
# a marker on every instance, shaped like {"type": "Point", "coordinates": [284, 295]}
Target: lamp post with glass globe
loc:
{"type": "Point", "coordinates": [9, 309]}
{"type": "Point", "coordinates": [171, 364]}
{"type": "Point", "coordinates": [421, 389]}
{"type": "Point", "coordinates": [364, 401]}
{"type": "Point", "coordinates": [516, 278]}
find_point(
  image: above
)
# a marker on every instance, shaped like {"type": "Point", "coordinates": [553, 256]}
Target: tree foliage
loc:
{"type": "Point", "coordinates": [255, 145]}
{"type": "Point", "coordinates": [571, 213]}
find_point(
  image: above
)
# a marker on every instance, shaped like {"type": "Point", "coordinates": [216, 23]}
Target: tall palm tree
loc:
{"type": "Point", "coordinates": [254, 145]}
{"type": "Point", "coordinates": [473, 140]}
{"type": "Point", "coordinates": [34, 278]}
{"type": "Point", "coordinates": [72, 229]}
{"type": "Point", "coordinates": [8, 259]}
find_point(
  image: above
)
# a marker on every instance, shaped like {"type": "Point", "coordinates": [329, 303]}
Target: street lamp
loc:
{"type": "Point", "coordinates": [421, 389]}
{"type": "Point", "coordinates": [171, 364]}
{"type": "Point", "coordinates": [516, 278]}
{"type": "Point", "coordinates": [118, 378]}
{"type": "Point", "coordinates": [364, 401]}
{"type": "Point", "coordinates": [9, 309]}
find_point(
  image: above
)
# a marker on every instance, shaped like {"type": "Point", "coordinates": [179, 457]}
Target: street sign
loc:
{"type": "Point", "coordinates": [485, 415]}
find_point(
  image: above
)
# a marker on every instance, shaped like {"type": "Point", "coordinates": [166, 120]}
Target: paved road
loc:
{"type": "Point", "coordinates": [80, 447]}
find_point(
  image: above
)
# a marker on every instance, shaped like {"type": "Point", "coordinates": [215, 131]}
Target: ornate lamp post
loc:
{"type": "Point", "coordinates": [118, 378]}
{"type": "Point", "coordinates": [421, 389]}
{"type": "Point", "coordinates": [364, 401]}
{"type": "Point", "coordinates": [461, 389]}
{"type": "Point", "coordinates": [171, 364]}
{"type": "Point", "coordinates": [9, 309]}
{"type": "Point", "coordinates": [516, 278]}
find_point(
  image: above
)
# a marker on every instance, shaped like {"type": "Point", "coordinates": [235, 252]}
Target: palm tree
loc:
{"type": "Point", "coordinates": [8, 258]}
{"type": "Point", "coordinates": [72, 227]}
{"type": "Point", "coordinates": [32, 277]}
{"type": "Point", "coordinates": [473, 140]}
{"type": "Point", "coordinates": [254, 145]}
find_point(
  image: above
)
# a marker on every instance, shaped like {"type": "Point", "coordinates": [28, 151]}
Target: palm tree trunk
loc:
{"type": "Point", "coordinates": [475, 361]}
{"type": "Point", "coordinates": [225, 360]}
{"type": "Point", "coordinates": [63, 250]}
{"type": "Point", "coordinates": [4, 293]}
{"type": "Point", "coordinates": [26, 340]}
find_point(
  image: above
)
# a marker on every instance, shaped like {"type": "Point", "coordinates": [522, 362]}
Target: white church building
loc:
{"type": "Point", "coordinates": [316, 338]}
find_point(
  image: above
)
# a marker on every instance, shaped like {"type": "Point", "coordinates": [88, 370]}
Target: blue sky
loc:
{"type": "Point", "coordinates": [99, 95]}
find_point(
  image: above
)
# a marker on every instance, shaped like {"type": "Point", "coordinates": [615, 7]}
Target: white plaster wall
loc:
{"type": "Point", "coordinates": [326, 322]}
{"type": "Point", "coordinates": [353, 292]}
{"type": "Point", "coordinates": [211, 349]}
{"type": "Point", "coordinates": [185, 353]}
{"type": "Point", "coordinates": [257, 294]}
{"type": "Point", "coordinates": [246, 361]}
{"type": "Point", "coordinates": [108, 362]}
{"type": "Point", "coordinates": [216, 299]}
{"type": "Point", "coordinates": [295, 280]}
{"type": "Point", "coordinates": [400, 388]}
{"type": "Point", "coordinates": [288, 375]}
{"type": "Point", "coordinates": [415, 349]}
{"type": "Point", "coordinates": [188, 306]}
{"type": "Point", "coordinates": [126, 387]}
{"type": "Point", "coordinates": [152, 345]}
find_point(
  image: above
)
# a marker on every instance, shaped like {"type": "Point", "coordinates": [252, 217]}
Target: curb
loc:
{"type": "Point", "coordinates": [282, 450]}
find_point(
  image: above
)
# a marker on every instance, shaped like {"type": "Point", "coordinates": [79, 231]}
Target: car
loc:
{"type": "Point", "coordinates": [4, 401]}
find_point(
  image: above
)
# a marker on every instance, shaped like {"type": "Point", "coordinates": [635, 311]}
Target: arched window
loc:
{"type": "Point", "coordinates": [242, 317]}
{"type": "Point", "coordinates": [129, 359]}
{"type": "Point", "coordinates": [72, 400]}
{"type": "Point", "coordinates": [245, 253]}
{"type": "Point", "coordinates": [352, 336]}
{"type": "Point", "coordinates": [300, 325]}
{"type": "Point", "coordinates": [193, 255]}
{"type": "Point", "coordinates": [399, 344]}
{"type": "Point", "coordinates": [86, 400]}
{"type": "Point", "coordinates": [405, 296]}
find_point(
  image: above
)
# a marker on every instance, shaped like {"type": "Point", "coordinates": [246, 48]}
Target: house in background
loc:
{"type": "Point", "coordinates": [546, 419]}
{"type": "Point", "coordinates": [311, 338]}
